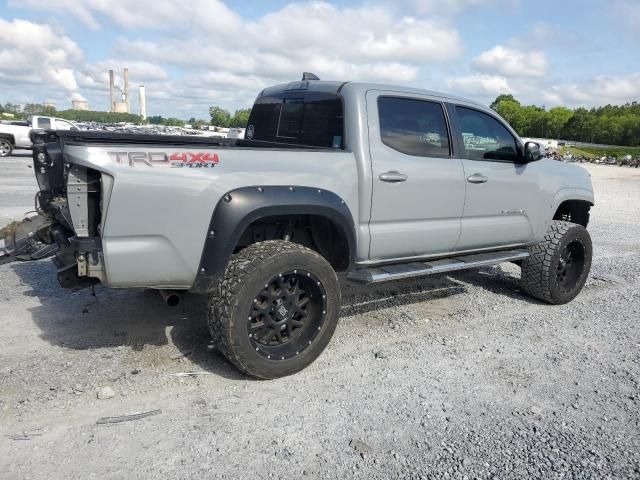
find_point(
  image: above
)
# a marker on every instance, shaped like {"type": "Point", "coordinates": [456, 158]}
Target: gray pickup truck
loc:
{"type": "Point", "coordinates": [379, 182]}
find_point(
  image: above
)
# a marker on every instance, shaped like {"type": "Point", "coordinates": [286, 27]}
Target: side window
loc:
{"type": "Point", "coordinates": [44, 122]}
{"type": "Point", "coordinates": [62, 125]}
{"type": "Point", "coordinates": [413, 127]}
{"type": "Point", "coordinates": [485, 138]}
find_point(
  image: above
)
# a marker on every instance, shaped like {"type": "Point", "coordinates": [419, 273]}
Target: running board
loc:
{"type": "Point", "coordinates": [417, 269]}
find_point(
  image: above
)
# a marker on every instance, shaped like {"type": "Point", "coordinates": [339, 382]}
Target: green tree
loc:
{"type": "Point", "coordinates": [503, 98]}
{"type": "Point", "coordinates": [558, 118]}
{"type": "Point", "coordinates": [609, 124]}
{"type": "Point", "coordinates": [173, 122]}
{"type": "Point", "coordinates": [513, 113]}
{"type": "Point", "coordinates": [219, 116]}
{"type": "Point", "coordinates": [11, 108]}
{"type": "Point", "coordinates": [240, 118]}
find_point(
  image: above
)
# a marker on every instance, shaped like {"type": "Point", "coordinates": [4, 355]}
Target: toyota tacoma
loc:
{"type": "Point", "coordinates": [379, 182]}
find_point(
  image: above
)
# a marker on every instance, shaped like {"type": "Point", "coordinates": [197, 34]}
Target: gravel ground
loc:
{"type": "Point", "coordinates": [460, 376]}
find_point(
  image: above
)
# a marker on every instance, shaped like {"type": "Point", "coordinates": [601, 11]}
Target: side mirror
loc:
{"type": "Point", "coordinates": [532, 152]}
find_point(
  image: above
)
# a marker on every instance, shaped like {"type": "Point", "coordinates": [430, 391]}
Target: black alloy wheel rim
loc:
{"type": "Point", "coordinates": [570, 266]}
{"type": "Point", "coordinates": [287, 315]}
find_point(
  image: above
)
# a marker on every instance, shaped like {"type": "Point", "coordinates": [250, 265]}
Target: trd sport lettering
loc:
{"type": "Point", "coordinates": [174, 159]}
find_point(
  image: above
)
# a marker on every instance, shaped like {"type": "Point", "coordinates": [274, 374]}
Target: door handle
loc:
{"type": "Point", "coordinates": [477, 178]}
{"type": "Point", "coordinates": [393, 177]}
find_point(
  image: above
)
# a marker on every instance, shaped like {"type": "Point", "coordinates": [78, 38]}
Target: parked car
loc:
{"type": "Point", "coordinates": [236, 132]}
{"type": "Point", "coordinates": [15, 135]}
{"type": "Point", "coordinates": [381, 182]}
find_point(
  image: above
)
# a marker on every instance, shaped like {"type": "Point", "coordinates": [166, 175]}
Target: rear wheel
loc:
{"type": "Point", "coordinates": [557, 268]}
{"type": "Point", "coordinates": [6, 147]}
{"type": "Point", "coordinates": [276, 309]}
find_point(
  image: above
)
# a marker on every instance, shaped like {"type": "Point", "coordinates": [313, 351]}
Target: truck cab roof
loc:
{"type": "Point", "coordinates": [341, 87]}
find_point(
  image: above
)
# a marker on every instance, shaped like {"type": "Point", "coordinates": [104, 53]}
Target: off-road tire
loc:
{"type": "Point", "coordinates": [540, 269]}
{"type": "Point", "coordinates": [245, 275]}
{"type": "Point", "coordinates": [6, 147]}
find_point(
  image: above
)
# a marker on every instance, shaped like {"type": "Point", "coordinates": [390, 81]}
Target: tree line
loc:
{"type": "Point", "coordinates": [608, 125]}
{"type": "Point", "coordinates": [219, 116]}
{"type": "Point", "coordinates": [29, 109]}
{"type": "Point", "coordinates": [223, 118]}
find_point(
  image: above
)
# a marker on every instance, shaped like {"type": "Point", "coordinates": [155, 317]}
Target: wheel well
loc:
{"type": "Point", "coordinates": [314, 231]}
{"type": "Point", "coordinates": [9, 137]}
{"type": "Point", "coordinates": [575, 211]}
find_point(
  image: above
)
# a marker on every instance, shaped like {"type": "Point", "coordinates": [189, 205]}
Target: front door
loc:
{"type": "Point", "coordinates": [501, 190]}
{"type": "Point", "coordinates": [418, 186]}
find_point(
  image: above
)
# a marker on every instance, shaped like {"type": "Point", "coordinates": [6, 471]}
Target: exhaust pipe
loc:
{"type": "Point", "coordinates": [170, 297]}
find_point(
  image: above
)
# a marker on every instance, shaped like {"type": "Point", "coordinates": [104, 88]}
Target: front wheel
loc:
{"type": "Point", "coordinates": [276, 308]}
{"type": "Point", "coordinates": [5, 147]}
{"type": "Point", "coordinates": [557, 268]}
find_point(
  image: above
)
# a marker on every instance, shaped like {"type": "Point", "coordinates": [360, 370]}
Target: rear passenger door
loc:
{"type": "Point", "coordinates": [418, 185]}
{"type": "Point", "coordinates": [502, 191]}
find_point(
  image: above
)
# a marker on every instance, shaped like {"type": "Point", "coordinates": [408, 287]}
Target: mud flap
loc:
{"type": "Point", "coordinates": [27, 240]}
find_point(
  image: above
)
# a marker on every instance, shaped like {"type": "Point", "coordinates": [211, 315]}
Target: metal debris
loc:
{"type": "Point", "coordinates": [128, 418]}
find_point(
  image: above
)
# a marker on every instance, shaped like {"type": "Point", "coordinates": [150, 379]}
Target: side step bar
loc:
{"type": "Point", "coordinates": [417, 269]}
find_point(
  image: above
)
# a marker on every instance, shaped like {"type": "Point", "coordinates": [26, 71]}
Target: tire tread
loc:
{"type": "Point", "coordinates": [536, 269]}
{"type": "Point", "coordinates": [223, 303]}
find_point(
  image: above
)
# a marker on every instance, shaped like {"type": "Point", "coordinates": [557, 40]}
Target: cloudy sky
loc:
{"type": "Point", "coordinates": [196, 53]}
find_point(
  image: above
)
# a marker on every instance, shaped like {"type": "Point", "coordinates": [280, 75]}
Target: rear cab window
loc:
{"type": "Point", "coordinates": [484, 137]}
{"type": "Point", "coordinates": [314, 119]}
{"type": "Point", "coordinates": [44, 122]}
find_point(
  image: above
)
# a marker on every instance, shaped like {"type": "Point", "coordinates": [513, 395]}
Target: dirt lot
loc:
{"type": "Point", "coordinates": [460, 376]}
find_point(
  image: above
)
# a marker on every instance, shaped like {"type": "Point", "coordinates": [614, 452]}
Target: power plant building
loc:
{"type": "Point", "coordinates": [123, 105]}
{"type": "Point", "coordinates": [143, 104]}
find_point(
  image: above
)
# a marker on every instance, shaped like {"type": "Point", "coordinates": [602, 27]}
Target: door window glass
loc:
{"type": "Point", "coordinates": [62, 125]}
{"type": "Point", "coordinates": [484, 137]}
{"type": "Point", "coordinates": [44, 122]}
{"type": "Point", "coordinates": [413, 127]}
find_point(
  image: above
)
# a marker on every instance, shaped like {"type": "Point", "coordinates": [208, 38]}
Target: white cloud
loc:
{"type": "Point", "coordinates": [37, 54]}
{"type": "Point", "coordinates": [206, 41]}
{"type": "Point", "coordinates": [479, 84]}
{"type": "Point", "coordinates": [193, 54]}
{"type": "Point", "coordinates": [510, 62]}
{"type": "Point", "coordinates": [600, 90]}
{"type": "Point", "coordinates": [355, 34]}
{"type": "Point", "coordinates": [142, 14]}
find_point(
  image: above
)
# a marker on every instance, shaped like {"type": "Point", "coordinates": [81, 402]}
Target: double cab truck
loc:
{"type": "Point", "coordinates": [17, 135]}
{"type": "Point", "coordinates": [379, 182]}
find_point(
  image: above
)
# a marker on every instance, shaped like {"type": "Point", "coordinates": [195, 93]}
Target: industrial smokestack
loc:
{"type": "Point", "coordinates": [143, 104]}
{"type": "Point", "coordinates": [126, 88]}
{"type": "Point", "coordinates": [112, 88]}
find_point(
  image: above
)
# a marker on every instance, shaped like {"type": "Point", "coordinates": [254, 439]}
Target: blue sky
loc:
{"type": "Point", "coordinates": [190, 55]}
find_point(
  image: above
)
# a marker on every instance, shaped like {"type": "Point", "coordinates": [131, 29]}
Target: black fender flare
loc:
{"type": "Point", "coordinates": [238, 208]}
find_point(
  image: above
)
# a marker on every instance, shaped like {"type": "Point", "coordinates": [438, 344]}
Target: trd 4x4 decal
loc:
{"type": "Point", "coordinates": [164, 159]}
